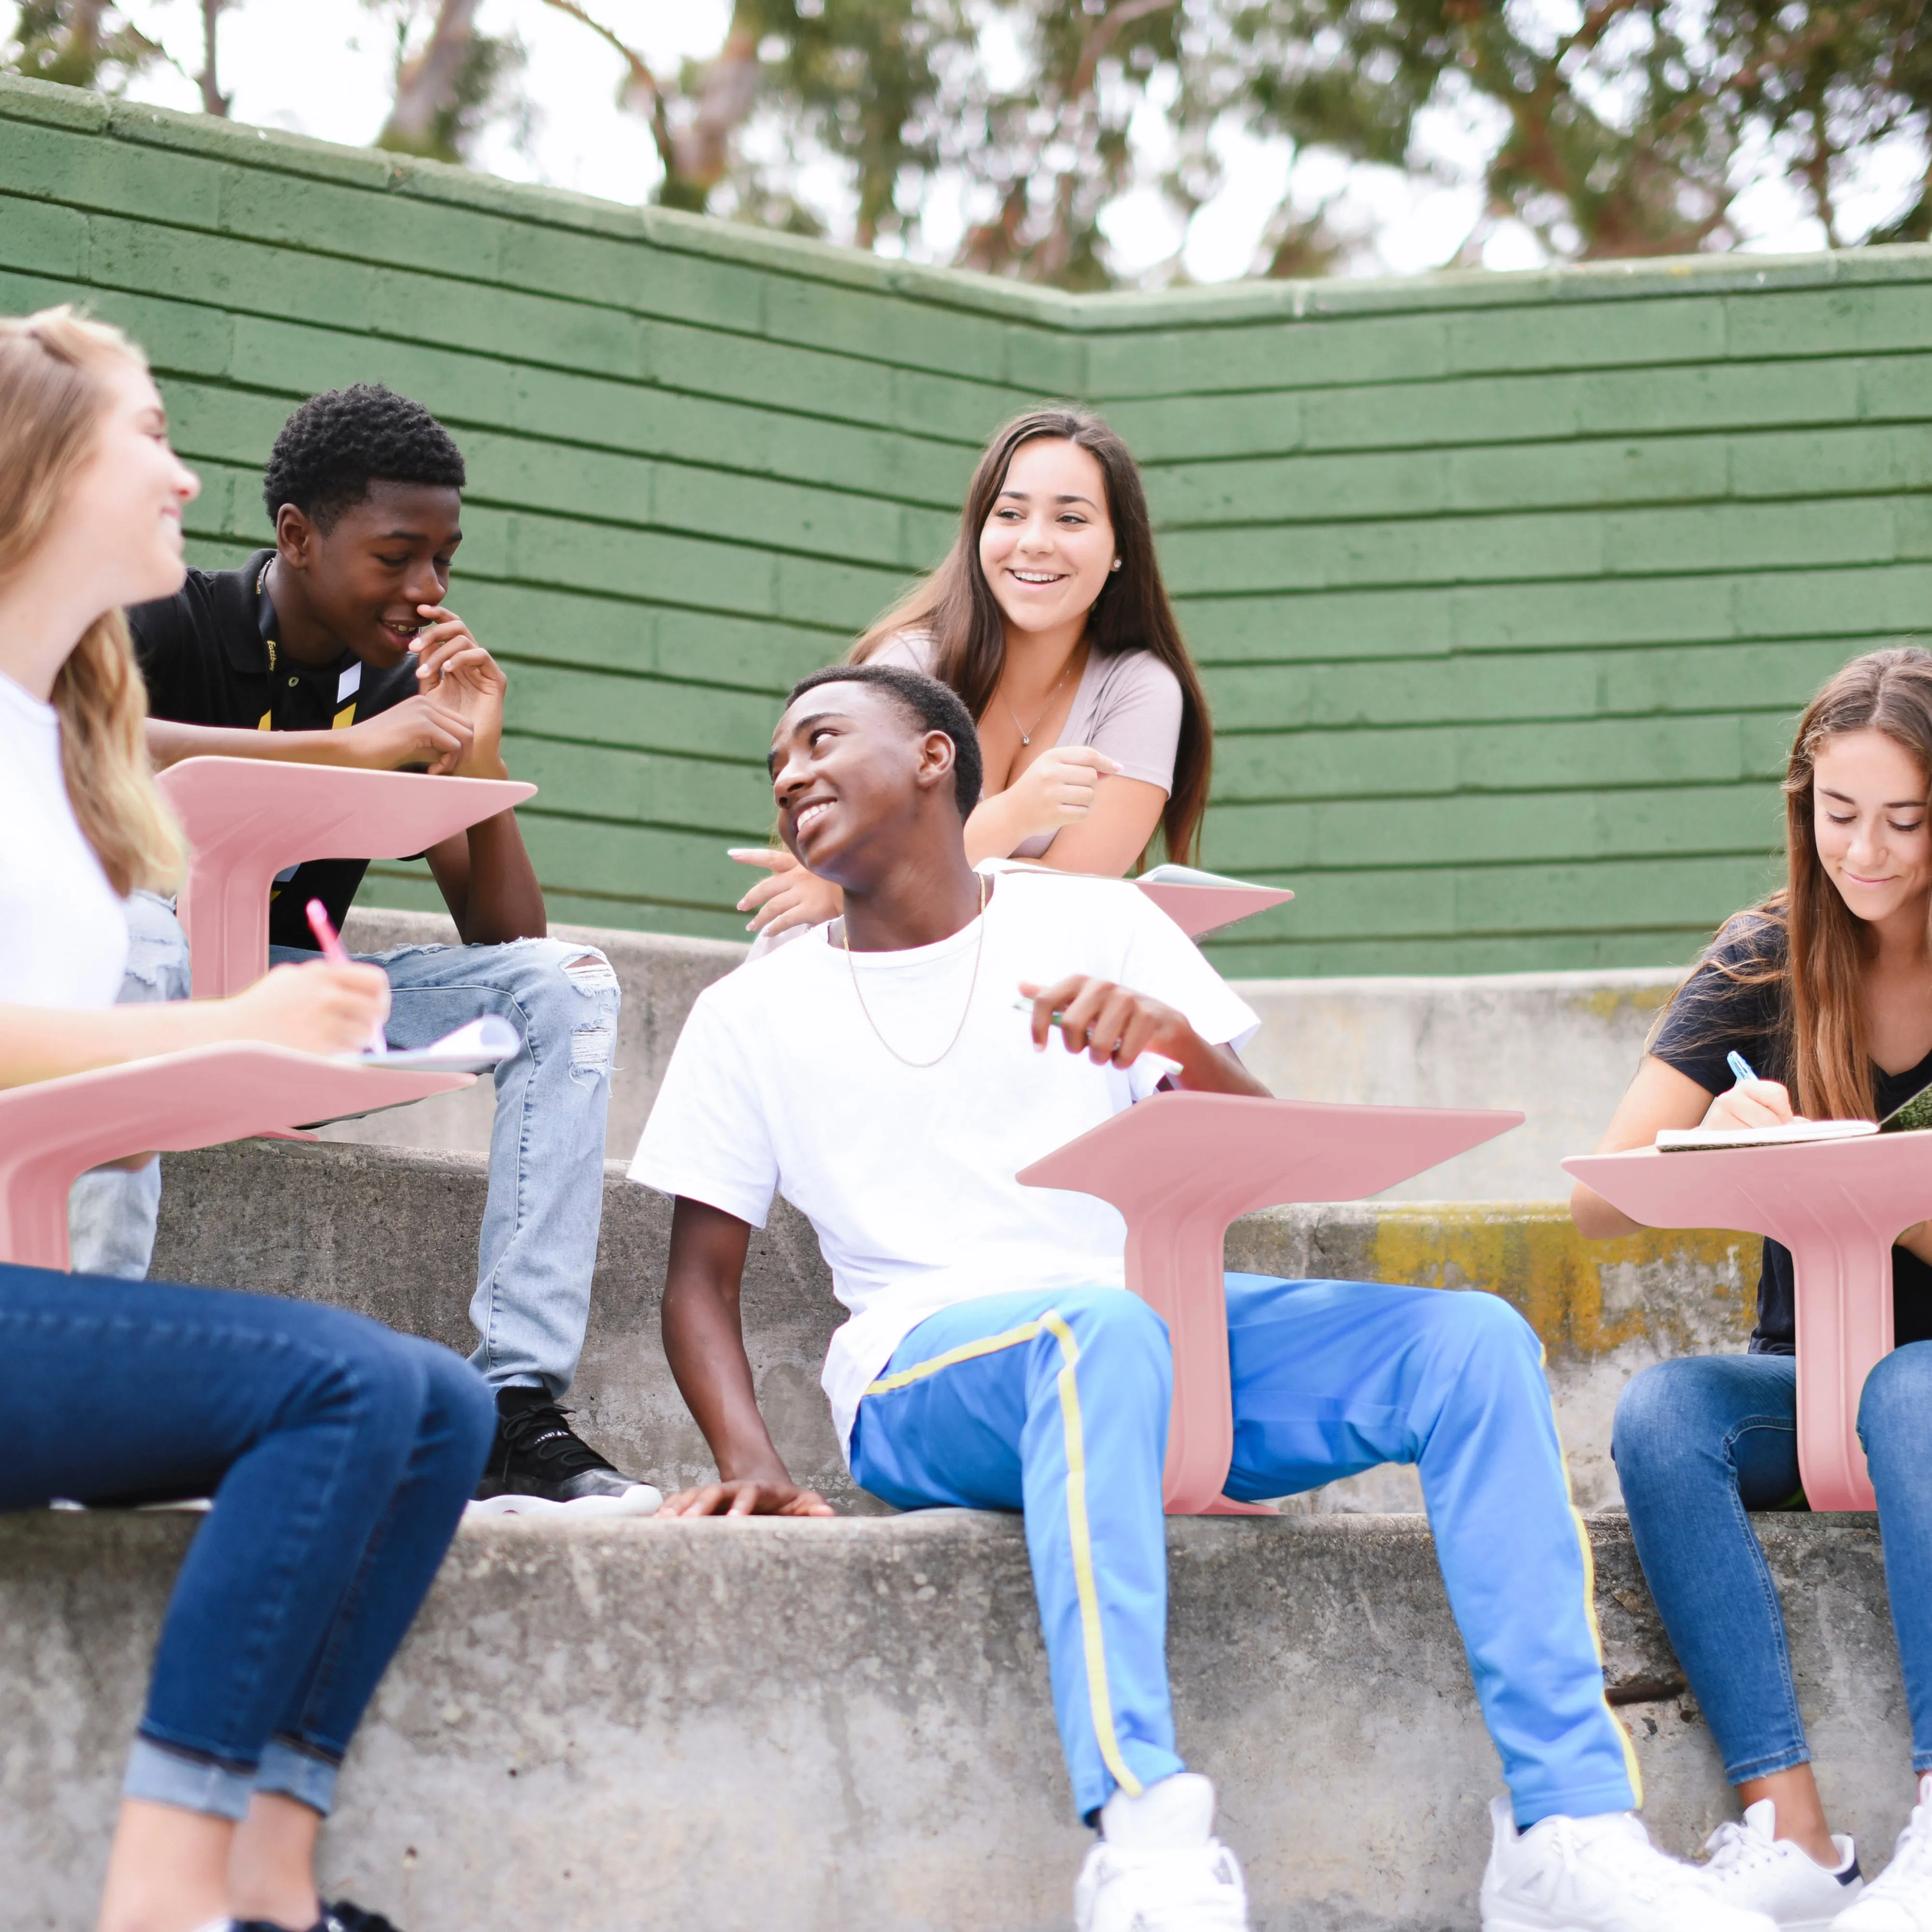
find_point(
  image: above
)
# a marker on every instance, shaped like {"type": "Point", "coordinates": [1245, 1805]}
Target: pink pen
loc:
{"type": "Point", "coordinates": [337, 954]}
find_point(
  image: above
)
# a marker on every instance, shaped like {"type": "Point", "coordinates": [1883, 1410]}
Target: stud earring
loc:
{"type": "Point", "coordinates": [1115, 564]}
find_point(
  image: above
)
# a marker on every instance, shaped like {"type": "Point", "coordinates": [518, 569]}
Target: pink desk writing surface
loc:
{"type": "Point", "coordinates": [1838, 1206]}
{"type": "Point", "coordinates": [1199, 909]}
{"type": "Point", "coordinates": [1180, 1167]}
{"type": "Point", "coordinates": [247, 819]}
{"type": "Point", "coordinates": [54, 1130]}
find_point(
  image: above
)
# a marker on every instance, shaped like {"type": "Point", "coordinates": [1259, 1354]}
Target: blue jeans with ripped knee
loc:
{"type": "Point", "coordinates": [546, 1196]}
{"type": "Point", "coordinates": [1701, 1441]}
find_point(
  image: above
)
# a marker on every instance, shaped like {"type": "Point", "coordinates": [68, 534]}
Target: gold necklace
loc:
{"type": "Point", "coordinates": [1026, 735]}
{"type": "Point", "coordinates": [845, 938]}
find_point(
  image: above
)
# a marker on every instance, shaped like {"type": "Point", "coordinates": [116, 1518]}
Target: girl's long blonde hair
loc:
{"type": "Point", "coordinates": [52, 396]}
{"type": "Point", "coordinates": [1819, 969]}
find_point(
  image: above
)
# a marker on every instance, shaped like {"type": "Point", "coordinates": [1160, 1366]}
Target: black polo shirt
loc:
{"type": "Point", "coordinates": [209, 655]}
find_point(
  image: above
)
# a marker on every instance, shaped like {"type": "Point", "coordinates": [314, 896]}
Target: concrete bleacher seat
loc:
{"type": "Point", "coordinates": [846, 1726]}
{"type": "Point", "coordinates": [802, 1727]}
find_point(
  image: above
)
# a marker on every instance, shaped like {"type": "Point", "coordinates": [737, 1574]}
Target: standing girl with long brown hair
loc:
{"type": "Point", "coordinates": [1049, 618]}
{"type": "Point", "coordinates": [1825, 990]}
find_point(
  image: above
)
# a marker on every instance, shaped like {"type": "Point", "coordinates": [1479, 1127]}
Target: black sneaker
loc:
{"type": "Point", "coordinates": [344, 1917]}
{"type": "Point", "coordinates": [340, 1917]}
{"type": "Point", "coordinates": [538, 1465]}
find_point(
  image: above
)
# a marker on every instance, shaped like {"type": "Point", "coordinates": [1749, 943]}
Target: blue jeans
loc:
{"type": "Point", "coordinates": [1701, 1441]}
{"type": "Point", "coordinates": [1056, 1404]}
{"type": "Point", "coordinates": [546, 1199]}
{"type": "Point", "coordinates": [339, 1456]}
{"type": "Point", "coordinates": [111, 1213]}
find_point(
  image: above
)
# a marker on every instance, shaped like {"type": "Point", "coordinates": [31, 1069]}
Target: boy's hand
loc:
{"type": "Point", "coordinates": [418, 731]}
{"type": "Point", "coordinates": [1109, 1022]}
{"type": "Point", "coordinates": [749, 1497]}
{"type": "Point", "coordinates": [456, 671]}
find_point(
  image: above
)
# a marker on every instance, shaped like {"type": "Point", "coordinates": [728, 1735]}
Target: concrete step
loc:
{"type": "Point", "coordinates": [392, 1232]}
{"type": "Point", "coordinates": [846, 1727]}
{"type": "Point", "coordinates": [1561, 1046]}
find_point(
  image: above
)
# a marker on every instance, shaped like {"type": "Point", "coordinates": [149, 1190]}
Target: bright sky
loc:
{"type": "Point", "coordinates": [324, 68]}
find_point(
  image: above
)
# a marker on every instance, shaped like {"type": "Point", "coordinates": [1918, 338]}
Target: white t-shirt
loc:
{"type": "Point", "coordinates": [779, 1081]}
{"type": "Point", "coordinates": [63, 930]}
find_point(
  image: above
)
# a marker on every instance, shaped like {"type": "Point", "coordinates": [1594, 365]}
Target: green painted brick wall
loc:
{"type": "Point", "coordinates": [1506, 589]}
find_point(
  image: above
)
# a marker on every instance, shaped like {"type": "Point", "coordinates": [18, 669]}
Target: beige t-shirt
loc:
{"type": "Point", "coordinates": [1127, 704]}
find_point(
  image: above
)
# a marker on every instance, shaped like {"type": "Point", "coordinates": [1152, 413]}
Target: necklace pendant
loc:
{"type": "Point", "coordinates": [1026, 738]}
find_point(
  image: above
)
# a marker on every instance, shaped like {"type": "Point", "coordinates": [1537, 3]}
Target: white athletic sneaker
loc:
{"type": "Point", "coordinates": [1598, 1875]}
{"type": "Point", "coordinates": [1900, 1899]}
{"type": "Point", "coordinates": [1158, 1868]}
{"type": "Point", "coordinates": [1750, 1866]}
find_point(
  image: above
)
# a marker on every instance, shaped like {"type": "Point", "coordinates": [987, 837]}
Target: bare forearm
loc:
{"type": "Point", "coordinates": [45, 1043]}
{"type": "Point", "coordinates": [994, 829]}
{"type": "Point", "coordinates": [705, 1344]}
{"type": "Point", "coordinates": [502, 900]}
{"type": "Point", "coordinates": [169, 743]}
{"type": "Point", "coordinates": [1596, 1219]}
{"type": "Point", "coordinates": [1208, 1068]}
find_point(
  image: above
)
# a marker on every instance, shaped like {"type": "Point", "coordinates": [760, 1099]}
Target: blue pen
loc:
{"type": "Point", "coordinates": [1741, 1067]}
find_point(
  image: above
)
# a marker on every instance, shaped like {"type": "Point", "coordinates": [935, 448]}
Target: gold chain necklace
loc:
{"type": "Point", "coordinates": [979, 949]}
{"type": "Point", "coordinates": [1026, 735]}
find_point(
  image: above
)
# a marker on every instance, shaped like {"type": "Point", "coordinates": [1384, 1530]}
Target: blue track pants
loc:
{"type": "Point", "coordinates": [1056, 1404]}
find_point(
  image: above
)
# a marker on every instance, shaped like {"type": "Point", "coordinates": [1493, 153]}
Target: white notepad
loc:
{"type": "Point", "coordinates": [1678, 1140]}
{"type": "Point", "coordinates": [474, 1049]}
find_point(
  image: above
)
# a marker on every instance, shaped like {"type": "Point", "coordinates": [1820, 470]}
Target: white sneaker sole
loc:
{"type": "Point", "coordinates": [640, 1499]}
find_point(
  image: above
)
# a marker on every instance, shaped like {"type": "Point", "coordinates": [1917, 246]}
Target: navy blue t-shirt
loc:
{"type": "Point", "coordinates": [1715, 1015]}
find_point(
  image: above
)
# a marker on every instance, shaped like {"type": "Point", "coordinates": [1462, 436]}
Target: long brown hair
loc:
{"type": "Point", "coordinates": [1825, 1046]}
{"type": "Point", "coordinates": [52, 395]}
{"type": "Point", "coordinates": [956, 608]}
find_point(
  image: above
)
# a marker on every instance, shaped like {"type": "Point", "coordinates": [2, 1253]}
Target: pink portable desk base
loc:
{"type": "Point", "coordinates": [1180, 1167]}
{"type": "Point", "coordinates": [1199, 909]}
{"type": "Point", "coordinates": [247, 819]}
{"type": "Point", "coordinates": [54, 1130]}
{"type": "Point", "coordinates": [1838, 1206]}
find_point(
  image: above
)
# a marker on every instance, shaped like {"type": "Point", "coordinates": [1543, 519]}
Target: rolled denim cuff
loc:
{"type": "Point", "coordinates": [161, 1776]}
{"type": "Point", "coordinates": [293, 1772]}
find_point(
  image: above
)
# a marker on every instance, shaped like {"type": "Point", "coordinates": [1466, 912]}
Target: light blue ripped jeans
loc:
{"type": "Point", "coordinates": [111, 1214]}
{"type": "Point", "coordinates": [546, 1197]}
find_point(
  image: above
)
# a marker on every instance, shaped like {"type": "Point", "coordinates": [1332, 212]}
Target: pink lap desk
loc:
{"type": "Point", "coordinates": [247, 819]}
{"type": "Point", "coordinates": [53, 1131]}
{"type": "Point", "coordinates": [1838, 1206]}
{"type": "Point", "coordinates": [1180, 1167]}
{"type": "Point", "coordinates": [1199, 909]}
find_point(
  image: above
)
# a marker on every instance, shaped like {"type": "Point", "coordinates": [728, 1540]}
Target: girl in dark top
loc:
{"type": "Point", "coordinates": [1825, 989]}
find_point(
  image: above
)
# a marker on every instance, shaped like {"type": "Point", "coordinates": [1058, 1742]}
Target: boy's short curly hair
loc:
{"type": "Point", "coordinates": [338, 443]}
{"type": "Point", "coordinates": [930, 705]}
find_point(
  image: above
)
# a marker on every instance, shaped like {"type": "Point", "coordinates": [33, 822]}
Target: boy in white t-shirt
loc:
{"type": "Point", "coordinates": [875, 1071]}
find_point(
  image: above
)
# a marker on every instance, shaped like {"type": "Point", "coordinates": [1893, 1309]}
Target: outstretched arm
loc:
{"type": "Point", "coordinates": [1107, 1022]}
{"type": "Point", "coordinates": [704, 1340]}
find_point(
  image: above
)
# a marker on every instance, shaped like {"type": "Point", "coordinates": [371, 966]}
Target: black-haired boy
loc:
{"type": "Point", "coordinates": [335, 647]}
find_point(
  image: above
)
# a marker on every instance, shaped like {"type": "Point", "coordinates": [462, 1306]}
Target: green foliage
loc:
{"type": "Point", "coordinates": [450, 86]}
{"type": "Point", "coordinates": [77, 44]}
{"type": "Point", "coordinates": [1623, 136]}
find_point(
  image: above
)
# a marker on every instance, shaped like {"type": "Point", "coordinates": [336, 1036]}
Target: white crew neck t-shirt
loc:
{"type": "Point", "coordinates": [781, 1083]}
{"type": "Point", "coordinates": [63, 929]}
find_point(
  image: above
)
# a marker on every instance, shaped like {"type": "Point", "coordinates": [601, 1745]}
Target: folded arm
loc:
{"type": "Point", "coordinates": [704, 1342]}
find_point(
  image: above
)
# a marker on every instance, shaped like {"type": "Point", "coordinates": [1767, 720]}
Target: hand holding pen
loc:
{"type": "Point", "coordinates": [337, 954]}
{"type": "Point", "coordinates": [1752, 1103]}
